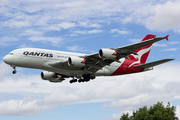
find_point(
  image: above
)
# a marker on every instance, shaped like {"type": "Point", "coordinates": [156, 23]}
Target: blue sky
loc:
{"type": "Point", "coordinates": [85, 27]}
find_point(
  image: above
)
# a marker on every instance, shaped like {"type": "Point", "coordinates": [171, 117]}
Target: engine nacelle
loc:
{"type": "Point", "coordinates": [107, 54]}
{"type": "Point", "coordinates": [51, 76]}
{"type": "Point", "coordinates": [76, 62]}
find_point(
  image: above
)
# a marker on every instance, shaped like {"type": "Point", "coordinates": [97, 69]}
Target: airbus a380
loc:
{"type": "Point", "coordinates": [59, 65]}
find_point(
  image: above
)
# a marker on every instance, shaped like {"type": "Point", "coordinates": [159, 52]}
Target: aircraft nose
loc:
{"type": "Point", "coordinates": [6, 59]}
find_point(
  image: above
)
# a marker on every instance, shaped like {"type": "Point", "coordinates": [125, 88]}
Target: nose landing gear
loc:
{"type": "Point", "coordinates": [14, 71]}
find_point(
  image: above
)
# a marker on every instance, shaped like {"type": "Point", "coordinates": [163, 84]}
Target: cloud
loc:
{"type": "Point", "coordinates": [135, 40]}
{"type": "Point", "coordinates": [38, 36]}
{"type": "Point", "coordinates": [54, 40]}
{"type": "Point", "coordinates": [156, 86]}
{"type": "Point", "coordinates": [94, 31]}
{"type": "Point", "coordinates": [123, 32]}
{"type": "Point", "coordinates": [66, 25]}
{"type": "Point", "coordinates": [166, 16]}
{"type": "Point", "coordinates": [17, 23]}
{"type": "Point", "coordinates": [6, 41]}
{"type": "Point", "coordinates": [178, 111]}
{"type": "Point", "coordinates": [67, 96]}
{"type": "Point", "coordinates": [73, 35]}
{"type": "Point", "coordinates": [22, 107]}
{"type": "Point", "coordinates": [58, 27]}
{"type": "Point", "coordinates": [75, 48]}
{"type": "Point", "coordinates": [87, 31]}
{"type": "Point", "coordinates": [49, 14]}
{"type": "Point", "coordinates": [40, 18]}
{"type": "Point", "coordinates": [171, 49]}
{"type": "Point", "coordinates": [125, 93]}
{"type": "Point", "coordinates": [174, 42]}
{"type": "Point", "coordinates": [88, 24]}
{"type": "Point", "coordinates": [4, 2]}
{"type": "Point", "coordinates": [25, 46]}
{"type": "Point", "coordinates": [5, 69]}
{"type": "Point", "coordinates": [161, 17]}
{"type": "Point", "coordinates": [159, 45]}
{"type": "Point", "coordinates": [30, 32]}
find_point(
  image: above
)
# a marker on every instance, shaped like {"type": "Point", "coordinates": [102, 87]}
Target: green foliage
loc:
{"type": "Point", "coordinates": [125, 117]}
{"type": "Point", "coordinates": [156, 112]}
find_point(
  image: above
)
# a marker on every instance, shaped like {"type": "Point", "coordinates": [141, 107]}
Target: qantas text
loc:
{"type": "Point", "coordinates": [38, 54]}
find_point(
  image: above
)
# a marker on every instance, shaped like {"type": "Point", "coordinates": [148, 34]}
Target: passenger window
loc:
{"type": "Point", "coordinates": [11, 53]}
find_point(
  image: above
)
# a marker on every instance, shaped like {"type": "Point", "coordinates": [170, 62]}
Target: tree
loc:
{"type": "Point", "coordinates": [156, 112]}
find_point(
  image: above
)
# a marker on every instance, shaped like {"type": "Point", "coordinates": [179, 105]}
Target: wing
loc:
{"type": "Point", "coordinates": [95, 63]}
{"type": "Point", "coordinates": [129, 49]}
{"type": "Point", "coordinates": [142, 44]}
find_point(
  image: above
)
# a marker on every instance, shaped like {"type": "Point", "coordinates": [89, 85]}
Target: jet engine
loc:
{"type": "Point", "coordinates": [51, 76]}
{"type": "Point", "coordinates": [107, 54]}
{"type": "Point", "coordinates": [76, 62]}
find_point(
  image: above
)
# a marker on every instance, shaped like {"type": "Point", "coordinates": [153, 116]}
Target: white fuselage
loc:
{"type": "Point", "coordinates": [41, 58]}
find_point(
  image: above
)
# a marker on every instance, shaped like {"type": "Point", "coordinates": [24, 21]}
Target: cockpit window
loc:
{"type": "Point", "coordinates": [11, 53]}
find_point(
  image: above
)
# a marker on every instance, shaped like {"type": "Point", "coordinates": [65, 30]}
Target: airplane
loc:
{"type": "Point", "coordinates": [59, 65]}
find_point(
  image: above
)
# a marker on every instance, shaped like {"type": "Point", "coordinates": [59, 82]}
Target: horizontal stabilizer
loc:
{"type": "Point", "coordinates": [151, 64]}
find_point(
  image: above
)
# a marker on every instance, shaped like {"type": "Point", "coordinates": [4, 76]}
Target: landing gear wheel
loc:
{"type": "Point", "coordinates": [14, 71]}
{"type": "Point", "coordinates": [81, 80]}
{"type": "Point", "coordinates": [86, 77]}
{"type": "Point", "coordinates": [73, 81]}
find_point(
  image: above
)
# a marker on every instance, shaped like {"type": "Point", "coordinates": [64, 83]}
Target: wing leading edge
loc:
{"type": "Point", "coordinates": [141, 44]}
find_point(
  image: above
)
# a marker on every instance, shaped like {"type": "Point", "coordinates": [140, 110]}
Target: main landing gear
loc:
{"type": "Point", "coordinates": [14, 71]}
{"type": "Point", "coordinates": [73, 81]}
{"type": "Point", "coordinates": [85, 78]}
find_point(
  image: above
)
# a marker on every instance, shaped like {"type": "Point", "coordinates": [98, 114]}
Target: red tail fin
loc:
{"type": "Point", "coordinates": [144, 51]}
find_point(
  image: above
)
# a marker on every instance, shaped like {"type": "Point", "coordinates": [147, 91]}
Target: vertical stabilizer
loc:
{"type": "Point", "coordinates": [142, 52]}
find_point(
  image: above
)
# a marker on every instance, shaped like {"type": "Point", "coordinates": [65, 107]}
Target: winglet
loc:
{"type": "Point", "coordinates": [166, 37]}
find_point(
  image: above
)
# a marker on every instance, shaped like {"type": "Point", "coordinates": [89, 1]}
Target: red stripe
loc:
{"type": "Point", "coordinates": [125, 69]}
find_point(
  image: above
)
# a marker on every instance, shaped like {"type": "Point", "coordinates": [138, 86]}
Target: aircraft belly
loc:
{"type": "Point", "coordinates": [64, 70]}
{"type": "Point", "coordinates": [75, 73]}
